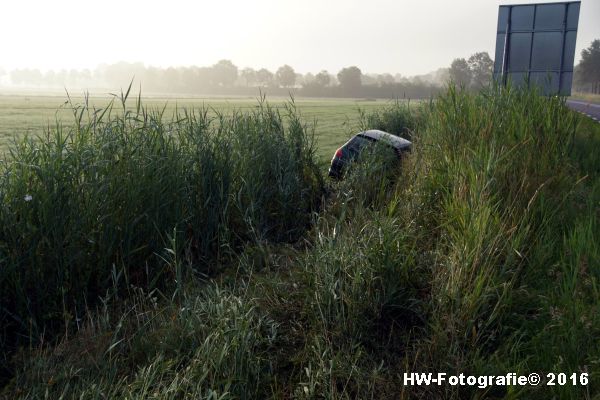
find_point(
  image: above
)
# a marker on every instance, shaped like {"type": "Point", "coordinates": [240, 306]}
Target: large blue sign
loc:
{"type": "Point", "coordinates": [535, 45]}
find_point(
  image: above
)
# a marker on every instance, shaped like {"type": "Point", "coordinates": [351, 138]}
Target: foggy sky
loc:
{"type": "Point", "coordinates": [397, 36]}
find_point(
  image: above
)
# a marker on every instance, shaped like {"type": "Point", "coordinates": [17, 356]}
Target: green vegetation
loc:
{"type": "Point", "coordinates": [94, 208]}
{"type": "Point", "coordinates": [587, 72]}
{"type": "Point", "coordinates": [480, 255]}
{"type": "Point", "coordinates": [592, 98]}
{"type": "Point", "coordinates": [28, 115]}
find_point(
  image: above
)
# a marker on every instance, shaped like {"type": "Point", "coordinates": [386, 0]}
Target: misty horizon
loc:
{"type": "Point", "coordinates": [225, 78]}
{"type": "Point", "coordinates": [100, 68]}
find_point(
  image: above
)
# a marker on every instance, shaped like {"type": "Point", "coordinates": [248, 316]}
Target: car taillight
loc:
{"type": "Point", "coordinates": [338, 153]}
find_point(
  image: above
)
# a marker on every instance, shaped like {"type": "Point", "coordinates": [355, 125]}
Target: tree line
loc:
{"type": "Point", "coordinates": [587, 73]}
{"type": "Point", "coordinates": [225, 78]}
{"type": "Point", "coordinates": [476, 71]}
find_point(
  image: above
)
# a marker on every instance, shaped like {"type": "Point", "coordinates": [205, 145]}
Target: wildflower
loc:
{"type": "Point", "coordinates": [28, 197]}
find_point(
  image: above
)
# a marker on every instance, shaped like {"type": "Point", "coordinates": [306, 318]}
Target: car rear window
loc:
{"type": "Point", "coordinates": [358, 142]}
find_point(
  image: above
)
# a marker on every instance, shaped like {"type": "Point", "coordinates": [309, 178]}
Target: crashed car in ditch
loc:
{"type": "Point", "coordinates": [353, 148]}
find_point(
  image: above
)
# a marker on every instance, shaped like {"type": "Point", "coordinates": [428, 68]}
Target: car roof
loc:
{"type": "Point", "coordinates": [394, 140]}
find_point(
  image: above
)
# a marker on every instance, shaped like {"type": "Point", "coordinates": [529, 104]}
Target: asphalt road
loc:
{"type": "Point", "coordinates": [590, 109]}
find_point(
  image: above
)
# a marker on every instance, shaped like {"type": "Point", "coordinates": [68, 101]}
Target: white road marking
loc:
{"type": "Point", "coordinates": [585, 103]}
{"type": "Point", "coordinates": [583, 112]}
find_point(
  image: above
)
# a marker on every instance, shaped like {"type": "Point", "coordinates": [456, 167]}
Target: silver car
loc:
{"type": "Point", "coordinates": [353, 147]}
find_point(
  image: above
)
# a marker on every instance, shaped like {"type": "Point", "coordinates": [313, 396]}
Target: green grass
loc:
{"type": "Point", "coordinates": [130, 199]}
{"type": "Point", "coordinates": [480, 254]}
{"type": "Point", "coordinates": [30, 114]}
{"type": "Point", "coordinates": [592, 98]}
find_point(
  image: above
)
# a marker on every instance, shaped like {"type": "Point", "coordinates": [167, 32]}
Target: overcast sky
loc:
{"type": "Point", "coordinates": [398, 36]}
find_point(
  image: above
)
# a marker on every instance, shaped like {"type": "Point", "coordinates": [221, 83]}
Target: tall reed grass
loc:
{"type": "Point", "coordinates": [90, 210]}
{"type": "Point", "coordinates": [499, 189]}
{"type": "Point", "coordinates": [487, 259]}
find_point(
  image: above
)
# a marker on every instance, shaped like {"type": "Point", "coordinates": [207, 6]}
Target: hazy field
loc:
{"type": "Point", "coordinates": [30, 114]}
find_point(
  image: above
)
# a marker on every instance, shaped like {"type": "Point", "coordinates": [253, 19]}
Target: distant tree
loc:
{"type": "Point", "coordinates": [225, 73]}
{"type": "Point", "coordinates": [151, 81]}
{"type": "Point", "coordinates": [206, 77]}
{"type": "Point", "coordinates": [249, 76]}
{"type": "Point", "coordinates": [418, 80]}
{"type": "Point", "coordinates": [285, 76]}
{"type": "Point", "coordinates": [368, 79]}
{"type": "Point", "coordinates": [385, 79]}
{"type": "Point", "coordinates": [481, 67]}
{"type": "Point", "coordinates": [322, 78]}
{"type": "Point", "coordinates": [264, 77]}
{"type": "Point", "coordinates": [74, 78]}
{"type": "Point", "coordinates": [578, 81]}
{"type": "Point", "coordinates": [589, 66]}
{"type": "Point", "coordinates": [115, 75]}
{"type": "Point", "coordinates": [441, 76]}
{"type": "Point", "coordinates": [333, 80]}
{"type": "Point", "coordinates": [62, 76]}
{"type": "Point", "coordinates": [350, 78]}
{"type": "Point", "coordinates": [172, 79]}
{"type": "Point", "coordinates": [309, 79]}
{"type": "Point", "coordinates": [190, 81]}
{"type": "Point", "coordinates": [26, 77]}
{"type": "Point", "coordinates": [50, 78]}
{"type": "Point", "coordinates": [460, 73]}
{"type": "Point", "coordinates": [16, 77]}
{"type": "Point", "coordinates": [86, 76]}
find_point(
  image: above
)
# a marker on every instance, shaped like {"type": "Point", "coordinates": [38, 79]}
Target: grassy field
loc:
{"type": "Point", "coordinates": [31, 114]}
